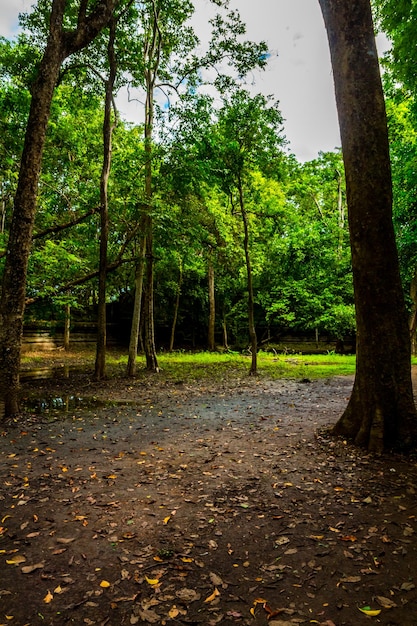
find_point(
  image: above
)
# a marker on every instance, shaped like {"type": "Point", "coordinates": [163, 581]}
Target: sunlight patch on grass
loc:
{"type": "Point", "coordinates": [207, 366]}
{"type": "Point", "coordinates": [216, 366]}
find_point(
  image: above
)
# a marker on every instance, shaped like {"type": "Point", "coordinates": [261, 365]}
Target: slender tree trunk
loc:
{"type": "Point", "coordinates": [340, 212]}
{"type": "Point", "coordinates": [212, 306]}
{"type": "Point", "coordinates": [137, 308]}
{"type": "Point", "coordinates": [225, 338]}
{"type": "Point", "coordinates": [176, 309]}
{"type": "Point", "coordinates": [152, 57]}
{"type": "Point", "coordinates": [67, 326]}
{"type": "Point", "coordinates": [2, 215]}
{"type": "Point", "coordinates": [150, 350]}
{"type": "Point", "coordinates": [380, 413]}
{"type": "Point", "coordinates": [61, 44]}
{"type": "Point", "coordinates": [412, 322]}
{"type": "Point", "coordinates": [251, 315]}
{"type": "Point", "coordinates": [108, 127]}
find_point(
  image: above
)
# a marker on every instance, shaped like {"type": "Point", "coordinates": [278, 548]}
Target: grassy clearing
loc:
{"type": "Point", "coordinates": [203, 366]}
{"type": "Point", "coordinates": [200, 366]}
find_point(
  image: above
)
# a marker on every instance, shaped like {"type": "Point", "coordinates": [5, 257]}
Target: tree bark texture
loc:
{"type": "Point", "coordinates": [380, 413]}
{"type": "Point", "coordinates": [61, 44]}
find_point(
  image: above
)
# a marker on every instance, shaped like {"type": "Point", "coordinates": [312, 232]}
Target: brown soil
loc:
{"type": "Point", "coordinates": [153, 503]}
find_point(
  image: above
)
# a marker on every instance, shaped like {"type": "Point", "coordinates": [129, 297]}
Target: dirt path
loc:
{"type": "Point", "coordinates": [130, 504]}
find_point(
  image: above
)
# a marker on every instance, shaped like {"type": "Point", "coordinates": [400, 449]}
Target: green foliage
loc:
{"type": "Point", "coordinates": [200, 155]}
{"type": "Point", "coordinates": [397, 20]}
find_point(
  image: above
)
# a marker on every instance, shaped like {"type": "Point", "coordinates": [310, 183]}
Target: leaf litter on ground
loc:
{"type": "Point", "coordinates": [231, 509]}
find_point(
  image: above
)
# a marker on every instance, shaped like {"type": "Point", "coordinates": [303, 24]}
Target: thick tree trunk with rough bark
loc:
{"type": "Point", "coordinates": [19, 245]}
{"type": "Point", "coordinates": [380, 413]}
{"type": "Point", "coordinates": [61, 44]}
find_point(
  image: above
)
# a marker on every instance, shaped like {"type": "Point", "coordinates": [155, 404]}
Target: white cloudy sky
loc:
{"type": "Point", "coordinates": [299, 75]}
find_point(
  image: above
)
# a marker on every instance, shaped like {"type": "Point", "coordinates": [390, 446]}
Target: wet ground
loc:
{"type": "Point", "coordinates": [140, 503]}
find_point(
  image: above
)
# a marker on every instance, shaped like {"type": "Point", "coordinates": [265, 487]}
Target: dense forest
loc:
{"type": "Point", "coordinates": [209, 181]}
{"type": "Point", "coordinates": [196, 226]}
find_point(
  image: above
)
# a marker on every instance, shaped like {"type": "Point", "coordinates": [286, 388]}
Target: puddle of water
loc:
{"type": "Point", "coordinates": [62, 404]}
{"type": "Point", "coordinates": [40, 373]}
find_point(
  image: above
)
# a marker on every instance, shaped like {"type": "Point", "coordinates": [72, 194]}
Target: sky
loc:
{"type": "Point", "coordinates": [298, 74]}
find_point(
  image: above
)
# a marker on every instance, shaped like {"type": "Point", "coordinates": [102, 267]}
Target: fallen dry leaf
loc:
{"type": "Point", "coordinates": [16, 560]}
{"type": "Point", "coordinates": [216, 580]}
{"type": "Point", "coordinates": [28, 569]}
{"type": "Point", "coordinates": [349, 579]}
{"type": "Point", "coordinates": [48, 598]}
{"type": "Point", "coordinates": [147, 615]}
{"type": "Point", "coordinates": [105, 584]}
{"type": "Point", "coordinates": [213, 596]}
{"type": "Point", "coordinates": [173, 612]}
{"type": "Point", "coordinates": [281, 541]}
{"type": "Point", "coordinates": [187, 595]}
{"type": "Point", "coordinates": [386, 603]}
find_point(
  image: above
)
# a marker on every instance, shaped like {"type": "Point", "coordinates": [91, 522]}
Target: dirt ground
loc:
{"type": "Point", "coordinates": [155, 503]}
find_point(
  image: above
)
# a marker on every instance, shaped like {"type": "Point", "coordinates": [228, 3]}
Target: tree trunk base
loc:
{"type": "Point", "coordinates": [380, 419]}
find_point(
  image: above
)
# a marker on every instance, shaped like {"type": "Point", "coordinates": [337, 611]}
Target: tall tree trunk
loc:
{"type": "Point", "coordinates": [212, 306]}
{"type": "Point", "coordinates": [176, 308]}
{"type": "Point", "coordinates": [61, 44]}
{"type": "Point", "coordinates": [137, 308]}
{"type": "Point", "coordinates": [340, 213]}
{"type": "Point", "coordinates": [225, 338]}
{"type": "Point", "coordinates": [380, 413]}
{"type": "Point", "coordinates": [67, 326]}
{"type": "Point", "coordinates": [150, 350]}
{"type": "Point", "coordinates": [108, 127]}
{"type": "Point", "coordinates": [412, 321]}
{"type": "Point", "coordinates": [251, 315]}
{"type": "Point", "coordinates": [152, 54]}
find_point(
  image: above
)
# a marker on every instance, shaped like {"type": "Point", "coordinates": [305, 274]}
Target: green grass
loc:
{"type": "Point", "coordinates": [207, 366]}
{"type": "Point", "coordinates": [200, 366]}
